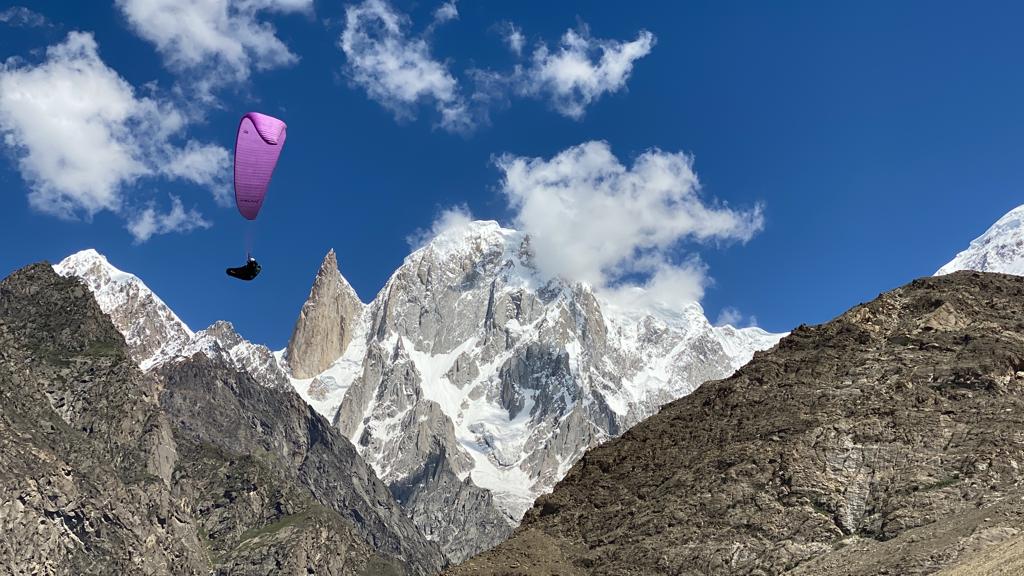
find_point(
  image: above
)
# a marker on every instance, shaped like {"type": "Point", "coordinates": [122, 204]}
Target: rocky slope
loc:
{"type": "Point", "coordinates": [225, 414]}
{"type": "Point", "coordinates": [472, 383]}
{"type": "Point", "coordinates": [84, 448]}
{"type": "Point", "coordinates": [884, 442]}
{"type": "Point", "coordinates": [193, 467]}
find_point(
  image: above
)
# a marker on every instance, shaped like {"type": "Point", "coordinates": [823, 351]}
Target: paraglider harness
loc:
{"type": "Point", "coordinates": [247, 272]}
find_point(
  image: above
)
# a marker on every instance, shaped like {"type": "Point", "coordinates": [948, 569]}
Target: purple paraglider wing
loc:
{"type": "Point", "coordinates": [257, 148]}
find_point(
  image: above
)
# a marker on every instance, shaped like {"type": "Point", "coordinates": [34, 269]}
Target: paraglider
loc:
{"type": "Point", "coordinates": [257, 147]}
{"type": "Point", "coordinates": [247, 272]}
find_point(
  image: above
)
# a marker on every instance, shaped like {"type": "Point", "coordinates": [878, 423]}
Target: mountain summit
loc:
{"type": "Point", "coordinates": [326, 323]}
{"type": "Point", "coordinates": [151, 329]}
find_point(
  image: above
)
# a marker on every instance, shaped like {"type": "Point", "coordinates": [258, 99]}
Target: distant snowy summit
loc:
{"type": "Point", "coordinates": [999, 249]}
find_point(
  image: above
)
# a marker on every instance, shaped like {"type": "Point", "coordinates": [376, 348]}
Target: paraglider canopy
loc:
{"type": "Point", "coordinates": [257, 148]}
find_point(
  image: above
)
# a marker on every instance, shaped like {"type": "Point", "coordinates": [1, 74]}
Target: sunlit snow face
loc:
{"type": "Point", "coordinates": [999, 249]}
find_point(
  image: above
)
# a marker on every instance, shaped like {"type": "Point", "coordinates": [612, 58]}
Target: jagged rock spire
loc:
{"type": "Point", "coordinates": [326, 322]}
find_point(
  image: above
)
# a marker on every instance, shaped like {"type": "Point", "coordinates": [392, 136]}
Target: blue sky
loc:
{"type": "Point", "coordinates": [842, 150]}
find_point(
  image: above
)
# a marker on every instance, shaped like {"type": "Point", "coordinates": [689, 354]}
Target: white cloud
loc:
{"type": "Point", "coordinates": [729, 316]}
{"type": "Point", "coordinates": [446, 12]}
{"type": "Point", "coordinates": [594, 220]}
{"type": "Point", "coordinates": [207, 165]}
{"type": "Point", "coordinates": [514, 38]}
{"type": "Point", "coordinates": [82, 137]}
{"type": "Point", "coordinates": [214, 41]}
{"type": "Point", "coordinates": [580, 70]}
{"type": "Point", "coordinates": [667, 287]}
{"type": "Point", "coordinates": [449, 221]}
{"type": "Point", "coordinates": [22, 17]}
{"type": "Point", "coordinates": [148, 222]}
{"type": "Point", "coordinates": [396, 69]}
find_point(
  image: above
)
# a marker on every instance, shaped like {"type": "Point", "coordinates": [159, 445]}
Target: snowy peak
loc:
{"type": "Point", "coordinates": [221, 340]}
{"type": "Point", "coordinates": [471, 249]}
{"type": "Point", "coordinates": [999, 249]}
{"type": "Point", "coordinates": [509, 370]}
{"type": "Point", "coordinates": [150, 328]}
{"type": "Point", "coordinates": [154, 334]}
{"type": "Point", "coordinates": [741, 343]}
{"type": "Point", "coordinates": [93, 268]}
{"type": "Point", "coordinates": [469, 237]}
{"type": "Point", "coordinates": [326, 324]}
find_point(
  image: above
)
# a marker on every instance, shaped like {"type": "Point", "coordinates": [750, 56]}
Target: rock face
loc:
{"type": "Point", "coordinates": [999, 249]}
{"type": "Point", "coordinates": [217, 408]}
{"type": "Point", "coordinates": [884, 442]}
{"type": "Point", "coordinates": [473, 383]}
{"type": "Point", "coordinates": [85, 452]}
{"type": "Point", "coordinates": [190, 468]}
{"type": "Point", "coordinates": [326, 323]}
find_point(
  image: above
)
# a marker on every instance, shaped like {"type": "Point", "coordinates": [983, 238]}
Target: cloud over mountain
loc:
{"type": "Point", "coordinates": [596, 220]}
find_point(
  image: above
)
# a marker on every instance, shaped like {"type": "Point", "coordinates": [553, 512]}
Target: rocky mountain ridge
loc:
{"type": "Point", "coordinates": [510, 359]}
{"type": "Point", "coordinates": [192, 467]}
{"type": "Point", "coordinates": [152, 330]}
{"type": "Point", "coordinates": [154, 333]}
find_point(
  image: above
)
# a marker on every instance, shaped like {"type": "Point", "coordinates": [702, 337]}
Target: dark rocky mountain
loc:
{"type": "Point", "coordinates": [194, 468]}
{"type": "Point", "coordinates": [887, 441]}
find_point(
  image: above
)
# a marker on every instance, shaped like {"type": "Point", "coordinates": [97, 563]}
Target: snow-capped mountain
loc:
{"type": "Point", "coordinates": [220, 339]}
{"type": "Point", "coordinates": [471, 363]}
{"type": "Point", "coordinates": [151, 329]}
{"type": "Point", "coordinates": [999, 249]}
{"type": "Point", "coordinates": [154, 333]}
{"type": "Point", "coordinates": [471, 383]}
